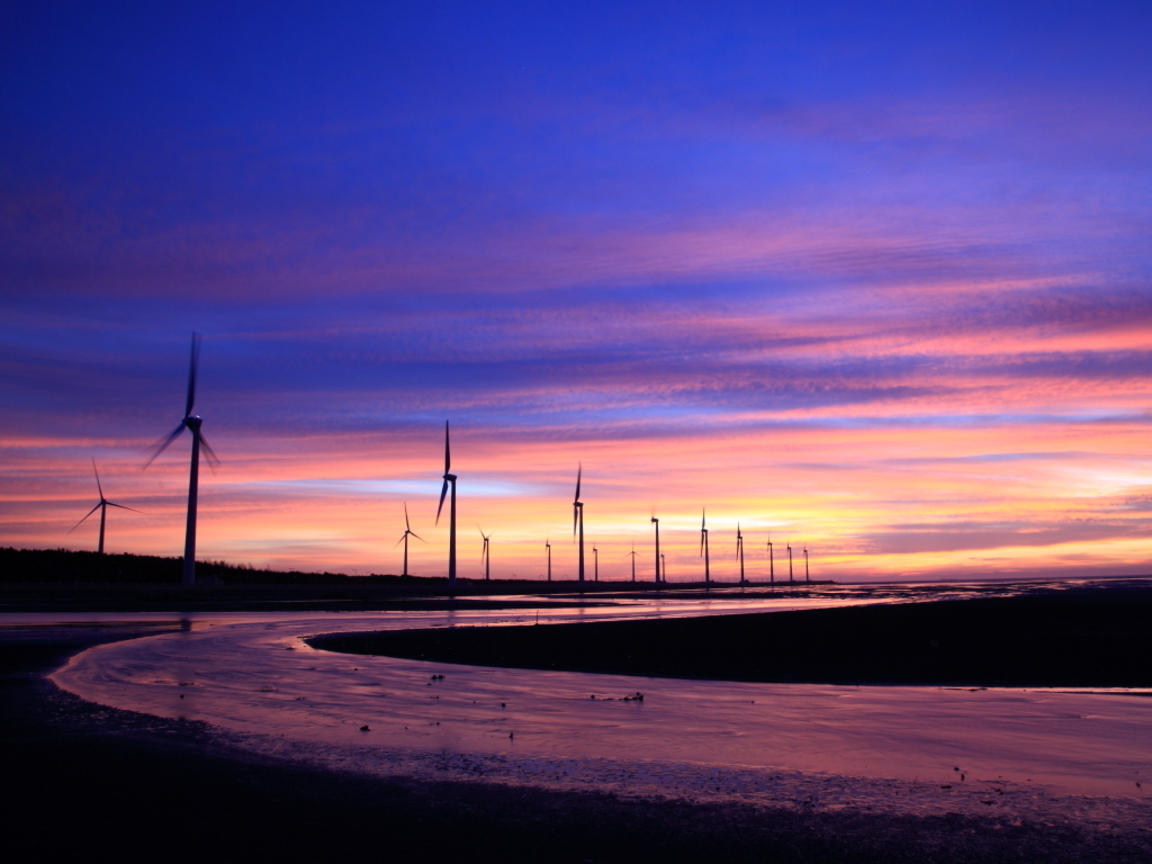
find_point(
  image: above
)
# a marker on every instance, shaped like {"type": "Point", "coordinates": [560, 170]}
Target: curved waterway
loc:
{"type": "Point", "coordinates": [254, 676]}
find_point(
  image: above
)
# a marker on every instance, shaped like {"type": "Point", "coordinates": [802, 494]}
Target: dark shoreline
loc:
{"type": "Point", "coordinates": [85, 781]}
{"type": "Point", "coordinates": [1081, 637]}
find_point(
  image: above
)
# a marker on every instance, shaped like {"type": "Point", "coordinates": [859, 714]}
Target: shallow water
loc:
{"type": "Point", "coordinates": [253, 675]}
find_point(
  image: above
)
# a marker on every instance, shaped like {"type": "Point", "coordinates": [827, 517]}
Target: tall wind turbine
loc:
{"type": "Point", "coordinates": [102, 505]}
{"type": "Point", "coordinates": [404, 539]}
{"type": "Point", "coordinates": [791, 581]}
{"type": "Point", "coordinates": [704, 549]}
{"type": "Point", "coordinates": [656, 522]}
{"type": "Point", "coordinates": [807, 578]}
{"type": "Point", "coordinates": [578, 520]}
{"type": "Point", "coordinates": [740, 552]}
{"type": "Point", "coordinates": [595, 564]}
{"type": "Point", "coordinates": [449, 478]}
{"type": "Point", "coordinates": [192, 423]}
{"type": "Point", "coordinates": [484, 557]}
{"type": "Point", "coordinates": [548, 547]}
{"type": "Point", "coordinates": [664, 567]}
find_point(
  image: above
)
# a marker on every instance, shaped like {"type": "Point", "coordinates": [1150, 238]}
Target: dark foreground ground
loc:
{"type": "Point", "coordinates": [1081, 637]}
{"type": "Point", "coordinates": [82, 782]}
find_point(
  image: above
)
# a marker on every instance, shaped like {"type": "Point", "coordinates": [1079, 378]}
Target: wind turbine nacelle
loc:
{"type": "Point", "coordinates": [193, 422]}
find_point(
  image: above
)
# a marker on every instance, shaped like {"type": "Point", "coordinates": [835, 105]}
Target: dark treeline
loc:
{"type": "Point", "coordinates": [1090, 637]}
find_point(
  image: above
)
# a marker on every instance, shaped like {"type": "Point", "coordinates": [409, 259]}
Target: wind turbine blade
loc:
{"type": "Point", "coordinates": [443, 492]}
{"type": "Point", "coordinates": [575, 518]}
{"type": "Point", "coordinates": [447, 452]}
{"type": "Point", "coordinates": [417, 536]}
{"type": "Point", "coordinates": [98, 486]}
{"type": "Point", "coordinates": [193, 364]}
{"type": "Point", "coordinates": [122, 507]}
{"type": "Point", "coordinates": [208, 452]}
{"type": "Point", "coordinates": [81, 522]}
{"type": "Point", "coordinates": [579, 472]}
{"type": "Point", "coordinates": [398, 542]}
{"type": "Point", "coordinates": [407, 525]}
{"type": "Point", "coordinates": [703, 518]}
{"type": "Point", "coordinates": [163, 445]}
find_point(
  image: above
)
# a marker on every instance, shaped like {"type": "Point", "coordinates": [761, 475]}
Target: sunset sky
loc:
{"type": "Point", "coordinates": [873, 278]}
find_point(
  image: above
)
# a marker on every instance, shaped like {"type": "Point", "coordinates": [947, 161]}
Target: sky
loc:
{"type": "Point", "coordinates": [873, 280]}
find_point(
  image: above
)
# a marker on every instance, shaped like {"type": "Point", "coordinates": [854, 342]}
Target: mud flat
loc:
{"type": "Point", "coordinates": [84, 781]}
{"type": "Point", "coordinates": [1091, 637]}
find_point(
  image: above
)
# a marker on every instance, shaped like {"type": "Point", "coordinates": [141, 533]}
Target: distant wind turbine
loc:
{"type": "Point", "coordinates": [656, 522]}
{"type": "Point", "coordinates": [807, 578]}
{"type": "Point", "coordinates": [704, 548]}
{"type": "Point", "coordinates": [548, 547]}
{"type": "Point", "coordinates": [404, 539]}
{"type": "Point", "coordinates": [595, 564]}
{"type": "Point", "coordinates": [740, 552]}
{"type": "Point", "coordinates": [192, 423]}
{"type": "Point", "coordinates": [485, 559]}
{"type": "Point", "coordinates": [633, 555]}
{"type": "Point", "coordinates": [578, 520]}
{"type": "Point", "coordinates": [664, 567]}
{"type": "Point", "coordinates": [791, 581]}
{"type": "Point", "coordinates": [102, 505]}
{"type": "Point", "coordinates": [771, 564]}
{"type": "Point", "coordinates": [449, 478]}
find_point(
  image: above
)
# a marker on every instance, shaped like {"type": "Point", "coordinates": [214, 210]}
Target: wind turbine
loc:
{"type": "Point", "coordinates": [704, 549]}
{"type": "Point", "coordinates": [404, 538]}
{"type": "Point", "coordinates": [449, 477]}
{"type": "Point", "coordinates": [548, 546]}
{"type": "Point", "coordinates": [595, 564]}
{"type": "Point", "coordinates": [740, 552]}
{"type": "Point", "coordinates": [192, 423]}
{"type": "Point", "coordinates": [664, 567]}
{"type": "Point", "coordinates": [807, 578]}
{"type": "Point", "coordinates": [791, 581]}
{"type": "Point", "coordinates": [656, 522]}
{"type": "Point", "coordinates": [633, 555]}
{"type": "Point", "coordinates": [102, 506]}
{"type": "Point", "coordinates": [578, 519]}
{"type": "Point", "coordinates": [487, 561]}
{"type": "Point", "coordinates": [771, 563]}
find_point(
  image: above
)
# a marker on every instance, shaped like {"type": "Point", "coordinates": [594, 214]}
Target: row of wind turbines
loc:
{"type": "Point", "coordinates": [193, 423]}
{"type": "Point", "coordinates": [661, 574]}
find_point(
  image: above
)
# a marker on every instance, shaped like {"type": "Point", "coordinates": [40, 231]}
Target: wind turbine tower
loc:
{"type": "Point", "coordinates": [449, 478]}
{"type": "Point", "coordinates": [548, 547]}
{"type": "Point", "coordinates": [578, 521]}
{"type": "Point", "coordinates": [791, 581]}
{"type": "Point", "coordinates": [632, 555]}
{"type": "Point", "coordinates": [192, 423]}
{"type": "Point", "coordinates": [102, 505]}
{"type": "Point", "coordinates": [656, 522]}
{"type": "Point", "coordinates": [485, 556]}
{"type": "Point", "coordinates": [595, 564]}
{"type": "Point", "coordinates": [771, 565]}
{"type": "Point", "coordinates": [704, 548]}
{"type": "Point", "coordinates": [740, 552]}
{"type": "Point", "coordinates": [807, 578]}
{"type": "Point", "coordinates": [404, 539]}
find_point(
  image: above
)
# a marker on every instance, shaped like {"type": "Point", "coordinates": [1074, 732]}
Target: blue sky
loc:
{"type": "Point", "coordinates": [650, 237]}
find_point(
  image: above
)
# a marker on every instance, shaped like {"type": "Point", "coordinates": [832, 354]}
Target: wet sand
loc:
{"type": "Point", "coordinates": [82, 780]}
{"type": "Point", "coordinates": [1088, 637]}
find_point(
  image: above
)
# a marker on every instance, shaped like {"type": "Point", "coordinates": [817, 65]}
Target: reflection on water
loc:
{"type": "Point", "coordinates": [252, 673]}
